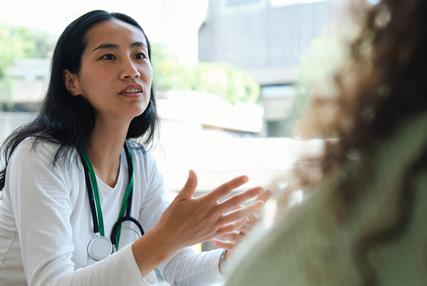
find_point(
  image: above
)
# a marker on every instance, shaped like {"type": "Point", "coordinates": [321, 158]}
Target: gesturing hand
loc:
{"type": "Point", "coordinates": [189, 220]}
{"type": "Point", "coordinates": [230, 240]}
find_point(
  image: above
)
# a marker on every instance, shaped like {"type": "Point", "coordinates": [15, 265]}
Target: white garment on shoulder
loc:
{"type": "Point", "coordinates": [46, 224]}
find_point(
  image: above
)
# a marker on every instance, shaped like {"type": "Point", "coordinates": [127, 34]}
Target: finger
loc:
{"type": "Point", "coordinates": [253, 218]}
{"type": "Point", "coordinates": [224, 244]}
{"type": "Point", "coordinates": [229, 228]}
{"type": "Point", "coordinates": [246, 228]}
{"type": "Point", "coordinates": [241, 213]}
{"type": "Point", "coordinates": [225, 188]}
{"type": "Point", "coordinates": [249, 225]}
{"type": "Point", "coordinates": [265, 196]}
{"type": "Point", "coordinates": [232, 236]}
{"type": "Point", "coordinates": [190, 186]}
{"type": "Point", "coordinates": [236, 200]}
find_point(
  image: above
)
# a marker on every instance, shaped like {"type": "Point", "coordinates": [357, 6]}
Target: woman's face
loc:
{"type": "Point", "coordinates": [115, 74]}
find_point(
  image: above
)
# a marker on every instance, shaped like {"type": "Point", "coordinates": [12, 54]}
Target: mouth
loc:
{"type": "Point", "coordinates": [133, 90]}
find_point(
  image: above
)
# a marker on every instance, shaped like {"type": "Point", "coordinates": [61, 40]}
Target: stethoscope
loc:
{"type": "Point", "coordinates": [101, 246]}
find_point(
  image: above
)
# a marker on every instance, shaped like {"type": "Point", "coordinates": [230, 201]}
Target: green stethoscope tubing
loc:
{"type": "Point", "coordinates": [95, 202]}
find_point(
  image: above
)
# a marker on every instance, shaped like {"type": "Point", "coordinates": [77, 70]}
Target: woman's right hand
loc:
{"type": "Point", "coordinates": [189, 220]}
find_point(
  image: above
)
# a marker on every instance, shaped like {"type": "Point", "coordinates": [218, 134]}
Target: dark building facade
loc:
{"type": "Point", "coordinates": [266, 39]}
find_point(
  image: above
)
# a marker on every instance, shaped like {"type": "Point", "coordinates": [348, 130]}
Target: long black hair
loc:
{"type": "Point", "coordinates": [69, 120]}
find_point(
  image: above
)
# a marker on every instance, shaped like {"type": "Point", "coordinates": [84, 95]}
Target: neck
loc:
{"type": "Point", "coordinates": [104, 147]}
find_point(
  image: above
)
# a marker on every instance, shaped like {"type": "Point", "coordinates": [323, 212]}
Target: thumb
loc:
{"type": "Point", "coordinates": [190, 186]}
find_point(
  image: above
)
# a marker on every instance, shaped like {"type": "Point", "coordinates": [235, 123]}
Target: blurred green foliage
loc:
{"type": "Point", "coordinates": [16, 43]}
{"type": "Point", "coordinates": [218, 79]}
{"type": "Point", "coordinates": [21, 42]}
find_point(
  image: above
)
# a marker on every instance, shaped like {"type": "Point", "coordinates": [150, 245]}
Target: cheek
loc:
{"type": "Point", "coordinates": [147, 74]}
{"type": "Point", "coordinates": [94, 83]}
{"type": "Point", "coordinates": [95, 92]}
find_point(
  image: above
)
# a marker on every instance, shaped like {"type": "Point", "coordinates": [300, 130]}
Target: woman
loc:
{"type": "Point", "coordinates": [76, 188]}
{"type": "Point", "coordinates": [365, 225]}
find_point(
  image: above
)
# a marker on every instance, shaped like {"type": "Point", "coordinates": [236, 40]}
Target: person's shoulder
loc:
{"type": "Point", "coordinates": [136, 147]}
{"type": "Point", "coordinates": [35, 155]}
{"type": "Point", "coordinates": [143, 160]}
{"type": "Point", "coordinates": [32, 147]}
{"type": "Point", "coordinates": [139, 151]}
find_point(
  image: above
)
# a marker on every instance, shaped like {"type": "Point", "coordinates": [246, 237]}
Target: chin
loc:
{"type": "Point", "coordinates": [137, 111]}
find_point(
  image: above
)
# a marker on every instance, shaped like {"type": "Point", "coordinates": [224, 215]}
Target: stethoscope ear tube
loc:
{"type": "Point", "coordinates": [114, 231]}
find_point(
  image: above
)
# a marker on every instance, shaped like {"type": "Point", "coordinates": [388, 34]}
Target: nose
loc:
{"type": "Point", "coordinates": [129, 71]}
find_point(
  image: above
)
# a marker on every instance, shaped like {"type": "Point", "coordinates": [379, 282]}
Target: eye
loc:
{"type": "Point", "coordinates": [140, 56]}
{"type": "Point", "coordinates": [108, 57]}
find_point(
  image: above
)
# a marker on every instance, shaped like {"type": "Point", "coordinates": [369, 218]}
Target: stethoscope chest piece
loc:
{"type": "Point", "coordinates": [99, 248]}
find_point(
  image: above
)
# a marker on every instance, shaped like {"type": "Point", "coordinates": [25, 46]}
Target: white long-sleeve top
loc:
{"type": "Point", "coordinates": [46, 224]}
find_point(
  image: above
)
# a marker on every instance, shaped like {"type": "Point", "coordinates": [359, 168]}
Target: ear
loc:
{"type": "Point", "coordinates": [71, 83]}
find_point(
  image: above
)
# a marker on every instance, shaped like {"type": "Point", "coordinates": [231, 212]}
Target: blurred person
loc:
{"type": "Point", "coordinates": [82, 202]}
{"type": "Point", "coordinates": [364, 222]}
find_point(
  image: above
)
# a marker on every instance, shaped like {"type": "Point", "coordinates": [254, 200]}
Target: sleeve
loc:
{"type": "Point", "coordinates": [42, 208]}
{"type": "Point", "coordinates": [186, 267]}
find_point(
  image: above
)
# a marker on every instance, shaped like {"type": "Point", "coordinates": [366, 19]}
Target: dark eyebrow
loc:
{"type": "Point", "coordinates": [106, 46]}
{"type": "Point", "coordinates": [114, 46]}
{"type": "Point", "coordinates": [138, 44]}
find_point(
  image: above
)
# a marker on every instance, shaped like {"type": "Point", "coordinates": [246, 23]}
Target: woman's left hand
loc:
{"type": "Point", "coordinates": [229, 241]}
